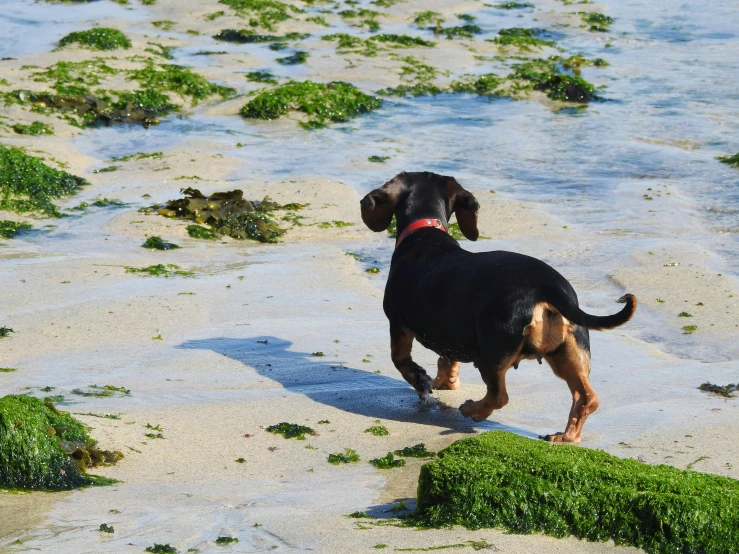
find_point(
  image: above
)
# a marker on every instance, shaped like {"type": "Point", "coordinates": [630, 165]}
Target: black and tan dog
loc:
{"type": "Point", "coordinates": [491, 308]}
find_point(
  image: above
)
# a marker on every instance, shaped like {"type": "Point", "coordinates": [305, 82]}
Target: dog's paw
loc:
{"type": "Point", "coordinates": [559, 437]}
{"type": "Point", "coordinates": [424, 387]}
{"type": "Point", "coordinates": [444, 384]}
{"type": "Point", "coordinates": [471, 409]}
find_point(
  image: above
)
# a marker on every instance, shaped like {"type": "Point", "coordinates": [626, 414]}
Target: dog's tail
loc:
{"type": "Point", "coordinates": [569, 309]}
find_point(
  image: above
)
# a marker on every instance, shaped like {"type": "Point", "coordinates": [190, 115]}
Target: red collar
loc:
{"type": "Point", "coordinates": [419, 224]}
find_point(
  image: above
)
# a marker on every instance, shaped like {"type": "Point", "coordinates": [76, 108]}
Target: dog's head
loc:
{"type": "Point", "coordinates": [412, 196]}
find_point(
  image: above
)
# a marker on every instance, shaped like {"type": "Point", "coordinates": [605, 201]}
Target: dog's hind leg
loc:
{"type": "Point", "coordinates": [447, 376]}
{"type": "Point", "coordinates": [571, 362]}
{"type": "Point", "coordinates": [493, 372]}
{"type": "Point", "coordinates": [401, 343]}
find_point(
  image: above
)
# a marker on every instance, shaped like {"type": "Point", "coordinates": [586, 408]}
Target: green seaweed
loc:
{"type": "Point", "coordinates": [105, 528]}
{"type": "Point", "coordinates": [344, 40]}
{"type": "Point", "coordinates": [261, 76]}
{"type": "Point", "coordinates": [336, 224]}
{"type": "Point", "coordinates": [100, 38]}
{"type": "Point", "coordinates": [290, 430]}
{"type": "Point", "coordinates": [723, 390]}
{"type": "Point", "coordinates": [467, 31]}
{"type": "Point", "coordinates": [424, 18]}
{"type": "Point", "coordinates": [161, 549]}
{"type": "Point", "coordinates": [690, 329]}
{"type": "Point", "coordinates": [240, 460]}
{"type": "Point", "coordinates": [475, 545]}
{"type": "Point", "coordinates": [100, 203]}
{"type": "Point", "coordinates": [415, 90]}
{"type": "Point", "coordinates": [477, 84]}
{"type": "Point", "coordinates": [160, 270]}
{"type": "Point", "coordinates": [5, 331]}
{"type": "Point", "coordinates": [387, 462]}
{"type": "Point", "coordinates": [247, 36]}
{"type": "Point", "coordinates": [158, 244]}
{"type": "Point", "coordinates": [101, 392]}
{"type": "Point", "coordinates": [45, 449]}
{"type": "Point", "coordinates": [321, 103]}
{"type": "Point", "coordinates": [545, 75]}
{"type": "Point", "coordinates": [263, 13]}
{"type": "Point", "coordinates": [729, 160]}
{"type": "Point", "coordinates": [222, 541]}
{"type": "Point", "coordinates": [349, 456]}
{"type": "Point", "coordinates": [299, 57]}
{"type": "Point", "coordinates": [377, 430]}
{"type": "Point", "coordinates": [137, 156]}
{"type": "Point", "coordinates": [318, 20]}
{"type": "Point", "coordinates": [498, 479]}
{"type": "Point", "coordinates": [597, 21]}
{"type": "Point", "coordinates": [11, 370]}
{"type": "Point", "coordinates": [523, 39]}
{"type": "Point", "coordinates": [372, 269]}
{"type": "Point", "coordinates": [29, 185]}
{"type": "Point", "coordinates": [415, 451]}
{"type": "Point", "coordinates": [107, 169]}
{"type": "Point", "coordinates": [378, 159]}
{"type": "Point", "coordinates": [403, 40]}
{"type": "Point", "coordinates": [228, 213]}
{"type": "Point", "coordinates": [180, 80]}
{"type": "Point", "coordinates": [34, 129]}
{"type": "Point", "coordinates": [10, 229]}
{"type": "Point", "coordinates": [199, 232]}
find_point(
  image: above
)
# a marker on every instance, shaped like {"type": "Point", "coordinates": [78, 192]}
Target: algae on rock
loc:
{"type": "Point", "coordinates": [499, 479]}
{"type": "Point", "coordinates": [100, 38]}
{"type": "Point", "coordinates": [44, 449]}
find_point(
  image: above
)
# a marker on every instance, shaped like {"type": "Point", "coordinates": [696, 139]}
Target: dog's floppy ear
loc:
{"type": "Point", "coordinates": [466, 207]}
{"type": "Point", "coordinates": [378, 206]}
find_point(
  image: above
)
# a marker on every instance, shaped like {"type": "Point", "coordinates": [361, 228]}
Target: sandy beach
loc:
{"type": "Point", "coordinates": [295, 332]}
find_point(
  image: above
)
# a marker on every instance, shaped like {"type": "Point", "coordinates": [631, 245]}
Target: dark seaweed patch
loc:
{"type": "Point", "coordinates": [160, 270]}
{"type": "Point", "coordinates": [415, 451]}
{"type": "Point", "coordinates": [597, 21]}
{"type": "Point", "coordinates": [263, 13]}
{"type": "Point", "coordinates": [222, 541]}
{"type": "Point", "coordinates": [5, 331]}
{"type": "Point", "coordinates": [299, 57]}
{"type": "Point", "coordinates": [377, 430]}
{"type": "Point", "coordinates": [291, 430]}
{"type": "Point", "coordinates": [10, 229]}
{"type": "Point", "coordinates": [45, 449]}
{"type": "Point", "coordinates": [725, 390]}
{"type": "Point", "coordinates": [522, 485]}
{"type": "Point", "coordinates": [158, 244]}
{"type": "Point", "coordinates": [100, 38]}
{"type": "Point", "coordinates": [29, 185]}
{"type": "Point", "coordinates": [105, 528]}
{"type": "Point", "coordinates": [467, 31]}
{"type": "Point", "coordinates": [403, 40]}
{"type": "Point", "coordinates": [228, 213]}
{"type": "Point", "coordinates": [161, 549]}
{"type": "Point", "coordinates": [199, 232]}
{"type": "Point", "coordinates": [523, 39]}
{"type": "Point", "coordinates": [729, 160]}
{"type": "Point", "coordinates": [261, 76]}
{"type": "Point", "coordinates": [246, 36]}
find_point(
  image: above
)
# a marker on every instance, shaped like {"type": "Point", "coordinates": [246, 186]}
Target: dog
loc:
{"type": "Point", "coordinates": [493, 309]}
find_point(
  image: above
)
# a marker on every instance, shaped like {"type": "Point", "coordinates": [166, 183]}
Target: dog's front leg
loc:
{"type": "Point", "coordinates": [401, 343]}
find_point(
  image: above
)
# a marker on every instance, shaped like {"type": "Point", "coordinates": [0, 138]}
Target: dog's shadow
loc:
{"type": "Point", "coordinates": [333, 383]}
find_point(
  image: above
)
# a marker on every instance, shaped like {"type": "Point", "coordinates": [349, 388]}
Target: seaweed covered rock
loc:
{"type": "Point", "coordinates": [29, 185]}
{"type": "Point", "coordinates": [336, 101]}
{"type": "Point", "coordinates": [228, 213]}
{"type": "Point", "coordinates": [100, 38]}
{"type": "Point", "coordinates": [498, 479]}
{"type": "Point", "coordinates": [42, 448]}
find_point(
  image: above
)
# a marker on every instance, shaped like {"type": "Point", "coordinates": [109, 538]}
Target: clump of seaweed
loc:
{"type": "Point", "coordinates": [105, 528]}
{"type": "Point", "coordinates": [349, 456]}
{"type": "Point", "coordinates": [5, 331]}
{"type": "Point", "coordinates": [158, 243]}
{"type": "Point", "coordinates": [180, 80]}
{"type": "Point", "coordinates": [100, 38]}
{"type": "Point", "coordinates": [377, 430]}
{"type": "Point", "coordinates": [387, 462]}
{"type": "Point", "coordinates": [547, 76]}
{"type": "Point", "coordinates": [467, 31]}
{"type": "Point", "coordinates": [160, 270]}
{"type": "Point", "coordinates": [227, 213]}
{"type": "Point", "coordinates": [226, 540]}
{"type": "Point", "coordinates": [34, 129]}
{"type": "Point", "coordinates": [11, 370]}
{"type": "Point", "coordinates": [246, 36]}
{"type": "Point", "coordinates": [161, 549]}
{"type": "Point", "coordinates": [416, 89]}
{"type": "Point", "coordinates": [299, 57]}
{"type": "Point", "coordinates": [415, 451]}
{"type": "Point", "coordinates": [291, 430]}
{"type": "Point", "coordinates": [263, 13]}
{"type": "Point", "coordinates": [200, 232]}
{"type": "Point", "coordinates": [321, 103]}
{"type": "Point", "coordinates": [523, 39]}
{"type": "Point", "coordinates": [498, 479]}
{"type": "Point", "coordinates": [10, 229]}
{"type": "Point", "coordinates": [513, 5]}
{"type": "Point", "coordinates": [424, 18]}
{"type": "Point", "coordinates": [403, 40]}
{"type": "Point", "coordinates": [729, 160]}
{"type": "Point", "coordinates": [477, 84]}
{"type": "Point", "coordinates": [261, 76]}
{"type": "Point", "coordinates": [725, 390]}
{"type": "Point", "coordinates": [45, 449]}
{"type": "Point", "coordinates": [597, 21]}
{"type": "Point", "coordinates": [29, 185]}
{"type": "Point", "coordinates": [101, 391]}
